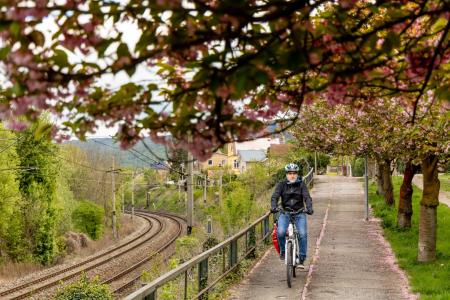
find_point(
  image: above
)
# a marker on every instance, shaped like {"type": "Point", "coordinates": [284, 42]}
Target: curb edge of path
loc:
{"type": "Point", "coordinates": [316, 254]}
{"type": "Point", "coordinates": [390, 258]}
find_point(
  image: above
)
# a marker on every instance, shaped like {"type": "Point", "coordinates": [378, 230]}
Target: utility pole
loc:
{"type": "Point", "coordinates": [366, 186]}
{"type": "Point", "coordinates": [190, 193]}
{"type": "Point", "coordinates": [315, 163]}
{"type": "Point", "coordinates": [220, 186]}
{"type": "Point", "coordinates": [180, 182]}
{"type": "Point", "coordinates": [132, 195]}
{"type": "Point", "coordinates": [147, 194]}
{"type": "Point", "coordinates": [123, 197]}
{"type": "Point", "coordinates": [114, 227]}
{"type": "Point", "coordinates": [205, 182]}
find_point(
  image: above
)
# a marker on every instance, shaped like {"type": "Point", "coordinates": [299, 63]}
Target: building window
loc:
{"type": "Point", "coordinates": [236, 164]}
{"type": "Point", "coordinates": [223, 162]}
{"type": "Point", "coordinates": [210, 162]}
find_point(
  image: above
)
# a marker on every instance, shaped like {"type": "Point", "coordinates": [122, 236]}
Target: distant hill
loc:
{"type": "Point", "coordinates": [125, 158]}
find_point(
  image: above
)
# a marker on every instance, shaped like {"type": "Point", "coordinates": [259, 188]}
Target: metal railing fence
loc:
{"type": "Point", "coordinates": [196, 277]}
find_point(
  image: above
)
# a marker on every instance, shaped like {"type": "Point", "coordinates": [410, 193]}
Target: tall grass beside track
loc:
{"type": "Point", "coordinates": [430, 280]}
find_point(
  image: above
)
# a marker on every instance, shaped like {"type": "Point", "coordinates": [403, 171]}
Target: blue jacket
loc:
{"type": "Point", "coordinates": [293, 195]}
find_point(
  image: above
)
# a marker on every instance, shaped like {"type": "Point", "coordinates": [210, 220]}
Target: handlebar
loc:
{"type": "Point", "coordinates": [292, 212]}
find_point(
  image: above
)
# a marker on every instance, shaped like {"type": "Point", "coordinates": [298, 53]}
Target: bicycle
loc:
{"type": "Point", "coordinates": [292, 247]}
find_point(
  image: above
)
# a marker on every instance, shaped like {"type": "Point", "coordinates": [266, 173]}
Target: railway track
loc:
{"type": "Point", "coordinates": [48, 281]}
{"type": "Point", "coordinates": [130, 282]}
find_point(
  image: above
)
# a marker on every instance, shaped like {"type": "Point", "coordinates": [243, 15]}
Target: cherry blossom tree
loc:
{"type": "Point", "coordinates": [387, 134]}
{"type": "Point", "coordinates": [223, 68]}
{"type": "Point", "coordinates": [373, 129]}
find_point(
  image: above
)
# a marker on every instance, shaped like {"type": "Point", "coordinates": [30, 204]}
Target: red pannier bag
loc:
{"type": "Point", "coordinates": [275, 238]}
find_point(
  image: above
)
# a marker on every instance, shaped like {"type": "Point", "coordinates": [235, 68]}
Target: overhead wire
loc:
{"type": "Point", "coordinates": [134, 151]}
{"type": "Point", "coordinates": [10, 145]}
{"type": "Point", "coordinates": [82, 165]}
{"type": "Point", "coordinates": [98, 142]}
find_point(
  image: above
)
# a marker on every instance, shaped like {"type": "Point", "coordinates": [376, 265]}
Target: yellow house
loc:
{"type": "Point", "coordinates": [226, 157]}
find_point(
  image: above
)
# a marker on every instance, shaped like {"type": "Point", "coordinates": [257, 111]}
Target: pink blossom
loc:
{"type": "Point", "coordinates": [399, 27]}
{"type": "Point", "coordinates": [223, 91]}
{"type": "Point", "coordinates": [73, 41]}
{"type": "Point", "coordinates": [283, 97]}
{"type": "Point", "coordinates": [21, 58]}
{"type": "Point", "coordinates": [327, 38]}
{"type": "Point", "coordinates": [314, 58]}
{"type": "Point", "coordinates": [336, 48]}
{"type": "Point", "coordinates": [169, 3]}
{"type": "Point", "coordinates": [22, 13]}
{"type": "Point", "coordinates": [35, 85]}
{"type": "Point", "coordinates": [336, 93]}
{"type": "Point", "coordinates": [16, 125]}
{"type": "Point", "coordinates": [122, 61]}
{"type": "Point", "coordinates": [347, 3]}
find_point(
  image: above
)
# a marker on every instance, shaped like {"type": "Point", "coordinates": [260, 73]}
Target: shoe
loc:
{"type": "Point", "coordinates": [281, 255]}
{"type": "Point", "coordinates": [302, 263]}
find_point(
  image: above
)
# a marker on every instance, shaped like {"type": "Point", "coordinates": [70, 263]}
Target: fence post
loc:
{"type": "Point", "coordinates": [152, 296]}
{"type": "Point", "coordinates": [266, 230]}
{"type": "Point", "coordinates": [252, 242]}
{"type": "Point", "coordinates": [185, 285]}
{"type": "Point", "coordinates": [224, 268]}
{"type": "Point", "coordinates": [203, 278]}
{"type": "Point", "coordinates": [233, 253]}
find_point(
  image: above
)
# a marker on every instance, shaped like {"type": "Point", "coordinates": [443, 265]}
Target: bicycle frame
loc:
{"type": "Point", "coordinates": [292, 237]}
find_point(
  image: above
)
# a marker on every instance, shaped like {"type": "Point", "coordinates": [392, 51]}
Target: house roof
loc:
{"type": "Point", "coordinates": [252, 155]}
{"type": "Point", "coordinates": [158, 166]}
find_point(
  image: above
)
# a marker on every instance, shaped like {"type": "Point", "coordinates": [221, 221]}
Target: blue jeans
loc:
{"type": "Point", "coordinates": [300, 223]}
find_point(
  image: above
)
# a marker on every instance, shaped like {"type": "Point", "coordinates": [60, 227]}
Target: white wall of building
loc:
{"type": "Point", "coordinates": [258, 144]}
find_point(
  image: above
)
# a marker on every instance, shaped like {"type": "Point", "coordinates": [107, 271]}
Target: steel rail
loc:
{"type": "Point", "coordinates": [80, 264]}
{"type": "Point", "coordinates": [147, 259]}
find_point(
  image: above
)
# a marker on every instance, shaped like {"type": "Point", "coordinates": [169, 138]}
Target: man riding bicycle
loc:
{"type": "Point", "coordinates": [294, 197]}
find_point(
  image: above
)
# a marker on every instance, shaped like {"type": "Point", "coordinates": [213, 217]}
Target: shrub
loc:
{"type": "Point", "coordinates": [88, 218]}
{"type": "Point", "coordinates": [84, 289]}
{"type": "Point", "coordinates": [358, 167]}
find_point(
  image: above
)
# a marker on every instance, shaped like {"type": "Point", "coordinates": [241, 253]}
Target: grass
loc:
{"type": "Point", "coordinates": [445, 182]}
{"type": "Point", "coordinates": [430, 280]}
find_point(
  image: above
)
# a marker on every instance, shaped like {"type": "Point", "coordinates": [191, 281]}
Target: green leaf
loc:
{"type": "Point", "coordinates": [391, 42]}
{"type": "Point", "coordinates": [17, 90]}
{"type": "Point", "coordinates": [103, 46]}
{"type": "Point", "coordinates": [60, 58]}
{"type": "Point", "coordinates": [443, 92]}
{"type": "Point", "coordinates": [4, 52]}
{"type": "Point", "coordinates": [94, 7]}
{"type": "Point", "coordinates": [14, 28]}
{"type": "Point", "coordinates": [43, 129]}
{"type": "Point", "coordinates": [131, 70]}
{"type": "Point", "coordinates": [123, 50]}
{"type": "Point", "coordinates": [152, 87]}
{"type": "Point", "coordinates": [241, 83]}
{"type": "Point", "coordinates": [37, 37]}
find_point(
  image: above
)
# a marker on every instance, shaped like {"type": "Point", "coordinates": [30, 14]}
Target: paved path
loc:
{"type": "Point", "coordinates": [351, 260]}
{"type": "Point", "coordinates": [444, 197]}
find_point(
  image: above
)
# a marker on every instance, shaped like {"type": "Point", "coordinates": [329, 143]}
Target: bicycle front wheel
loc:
{"type": "Point", "coordinates": [289, 265]}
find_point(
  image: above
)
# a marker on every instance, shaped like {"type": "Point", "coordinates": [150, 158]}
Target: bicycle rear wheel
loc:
{"type": "Point", "coordinates": [289, 265]}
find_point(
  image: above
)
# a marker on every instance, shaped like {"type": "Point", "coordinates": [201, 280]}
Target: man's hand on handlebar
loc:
{"type": "Point", "coordinates": [301, 210]}
{"type": "Point", "coordinates": [274, 210]}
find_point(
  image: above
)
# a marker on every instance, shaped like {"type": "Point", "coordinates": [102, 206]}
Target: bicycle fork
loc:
{"type": "Point", "coordinates": [291, 238]}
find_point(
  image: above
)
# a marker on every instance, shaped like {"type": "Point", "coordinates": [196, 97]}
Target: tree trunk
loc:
{"type": "Point", "coordinates": [405, 203]}
{"type": "Point", "coordinates": [428, 205]}
{"type": "Point", "coordinates": [379, 176]}
{"type": "Point", "coordinates": [387, 183]}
